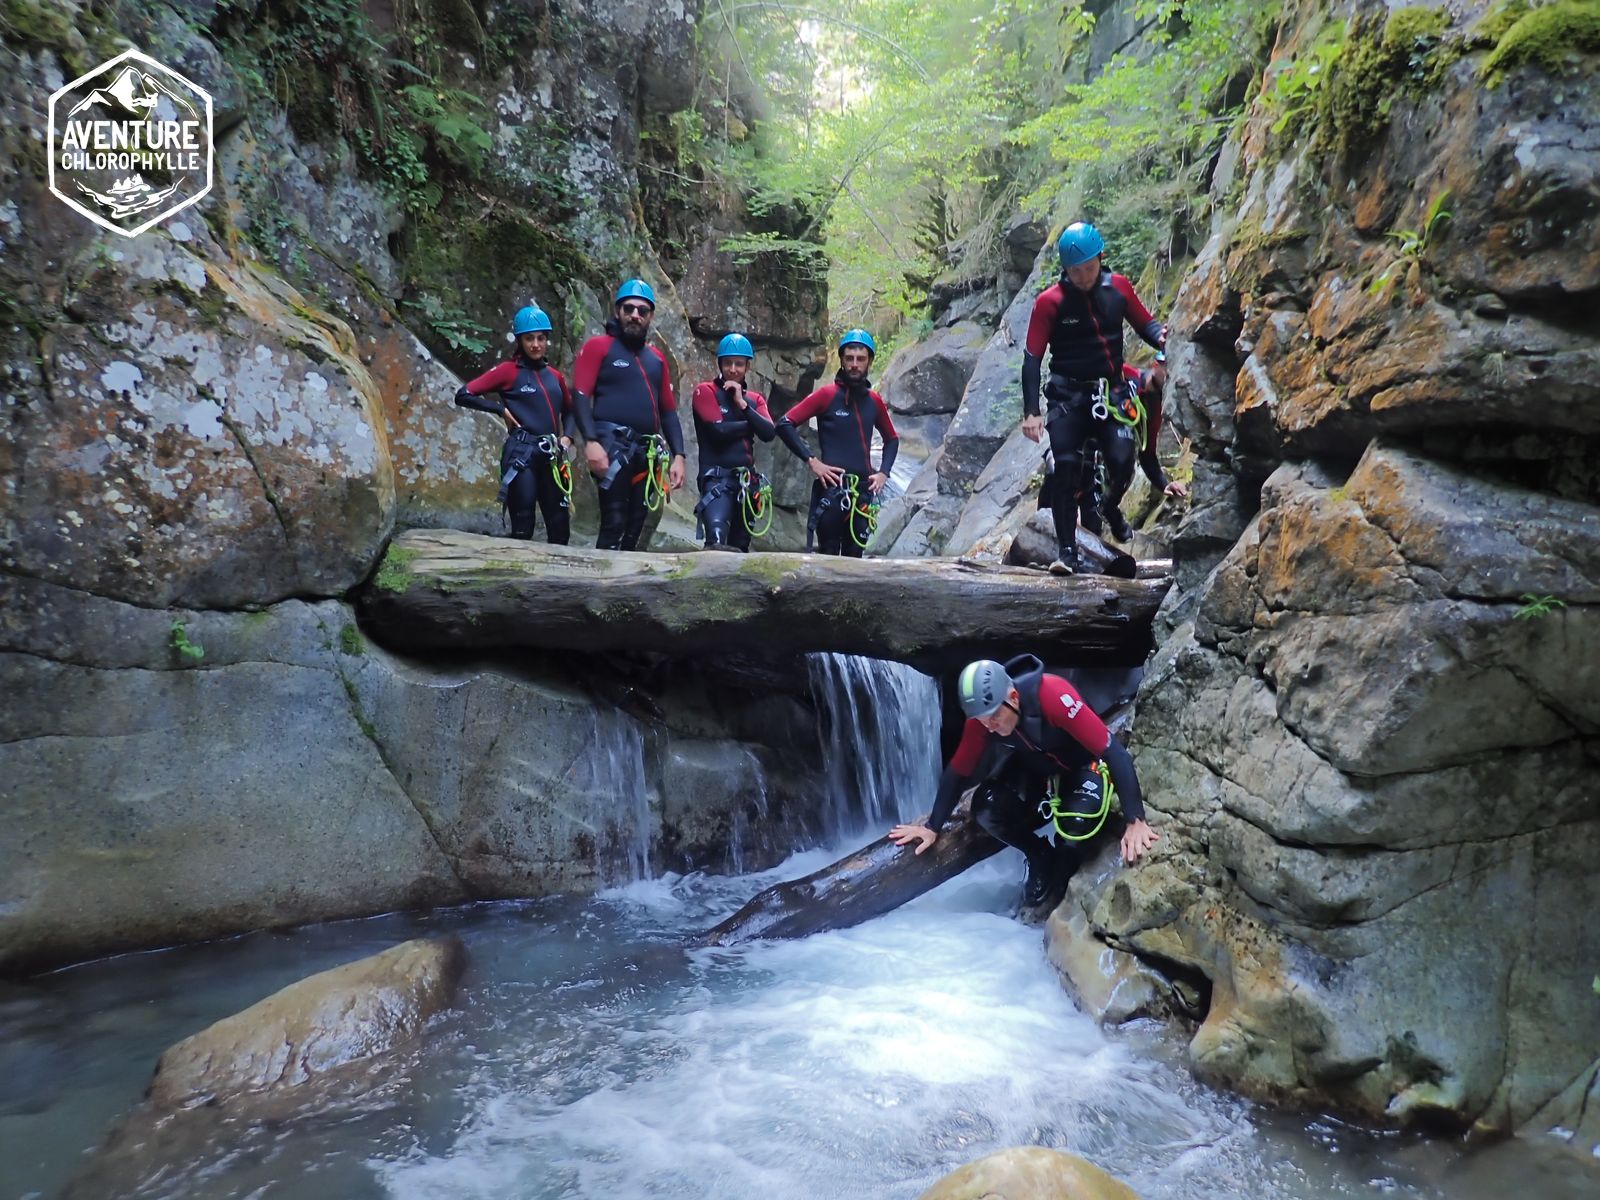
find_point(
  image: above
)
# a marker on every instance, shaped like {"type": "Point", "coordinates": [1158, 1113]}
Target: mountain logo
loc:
{"type": "Point", "coordinates": [130, 143]}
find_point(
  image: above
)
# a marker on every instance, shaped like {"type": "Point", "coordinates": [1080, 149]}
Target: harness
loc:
{"type": "Point", "coordinates": [527, 445]}
{"type": "Point", "coordinates": [623, 444]}
{"type": "Point", "coordinates": [754, 493]}
{"type": "Point", "coordinates": [1078, 817]}
{"type": "Point", "coordinates": [845, 497]}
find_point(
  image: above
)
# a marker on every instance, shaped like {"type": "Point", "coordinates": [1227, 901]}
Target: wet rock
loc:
{"type": "Point", "coordinates": [1108, 984]}
{"type": "Point", "coordinates": [1029, 1173]}
{"type": "Point", "coordinates": [930, 376]}
{"type": "Point", "coordinates": [310, 1028]}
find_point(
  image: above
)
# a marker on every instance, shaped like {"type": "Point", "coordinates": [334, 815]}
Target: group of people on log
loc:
{"type": "Point", "coordinates": [621, 400]}
{"type": "Point", "coordinates": [1048, 767]}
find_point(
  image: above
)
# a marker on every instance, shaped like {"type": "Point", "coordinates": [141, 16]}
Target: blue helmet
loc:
{"type": "Point", "coordinates": [1079, 242]}
{"type": "Point", "coordinates": [858, 337]}
{"type": "Point", "coordinates": [530, 320]}
{"type": "Point", "coordinates": [735, 345]}
{"type": "Point", "coordinates": [635, 289]}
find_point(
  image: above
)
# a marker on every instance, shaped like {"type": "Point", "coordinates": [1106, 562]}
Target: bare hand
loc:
{"type": "Point", "coordinates": [902, 835]}
{"type": "Point", "coordinates": [1136, 839]}
{"type": "Point", "coordinates": [566, 443]}
{"type": "Point", "coordinates": [1176, 489]}
{"type": "Point", "coordinates": [876, 481]}
{"type": "Point", "coordinates": [1033, 428]}
{"type": "Point", "coordinates": [735, 393]}
{"type": "Point", "coordinates": [595, 455]}
{"type": "Point", "coordinates": [830, 476]}
{"type": "Point", "coordinates": [675, 473]}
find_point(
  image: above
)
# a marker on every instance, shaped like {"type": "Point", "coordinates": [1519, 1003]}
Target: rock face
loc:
{"type": "Point", "coordinates": [930, 376]}
{"type": "Point", "coordinates": [1373, 754]}
{"type": "Point", "coordinates": [1029, 1173]}
{"type": "Point", "coordinates": [312, 1027]}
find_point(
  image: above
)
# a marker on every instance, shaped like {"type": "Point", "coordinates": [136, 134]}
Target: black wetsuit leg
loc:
{"type": "Point", "coordinates": [1002, 810]}
{"type": "Point", "coordinates": [720, 516]}
{"type": "Point", "coordinates": [522, 494]}
{"type": "Point", "coordinates": [1071, 424]}
{"type": "Point", "coordinates": [552, 502]}
{"type": "Point", "coordinates": [636, 511]}
{"type": "Point", "coordinates": [829, 521]}
{"type": "Point", "coordinates": [615, 502]}
{"type": "Point", "coordinates": [1121, 454]}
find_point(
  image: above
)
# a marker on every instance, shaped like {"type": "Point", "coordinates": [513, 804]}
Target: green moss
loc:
{"type": "Point", "coordinates": [765, 567]}
{"type": "Point", "coordinates": [1408, 56]}
{"type": "Point", "coordinates": [394, 575]}
{"type": "Point", "coordinates": [1496, 23]}
{"type": "Point", "coordinates": [46, 23]}
{"type": "Point", "coordinates": [1407, 26]}
{"type": "Point", "coordinates": [359, 713]}
{"type": "Point", "coordinates": [1546, 37]}
{"type": "Point", "coordinates": [351, 642]}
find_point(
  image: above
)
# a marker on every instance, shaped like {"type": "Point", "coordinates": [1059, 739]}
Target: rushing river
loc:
{"type": "Point", "coordinates": [592, 1055]}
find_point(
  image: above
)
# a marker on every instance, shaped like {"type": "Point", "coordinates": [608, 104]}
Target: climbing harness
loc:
{"type": "Point", "coordinates": [866, 507]}
{"type": "Point", "coordinates": [525, 447]}
{"type": "Point", "coordinates": [1128, 410]}
{"type": "Point", "coordinates": [656, 458]}
{"type": "Point", "coordinates": [755, 501]}
{"type": "Point", "coordinates": [1070, 824]}
{"type": "Point", "coordinates": [560, 465]}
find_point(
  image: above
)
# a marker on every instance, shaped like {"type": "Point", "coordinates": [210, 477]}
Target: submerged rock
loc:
{"type": "Point", "coordinates": [310, 1028]}
{"type": "Point", "coordinates": [1029, 1173]}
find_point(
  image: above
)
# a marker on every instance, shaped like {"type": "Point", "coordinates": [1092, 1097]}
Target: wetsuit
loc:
{"type": "Point", "coordinates": [1083, 332]}
{"type": "Point", "coordinates": [624, 400]}
{"type": "Point", "coordinates": [728, 480]}
{"type": "Point", "coordinates": [1128, 444]}
{"type": "Point", "coordinates": [841, 517]}
{"type": "Point", "coordinates": [534, 399]}
{"type": "Point", "coordinates": [1057, 736]}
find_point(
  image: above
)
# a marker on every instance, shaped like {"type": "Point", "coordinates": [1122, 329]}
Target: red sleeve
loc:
{"type": "Point", "coordinates": [885, 426]}
{"type": "Point", "coordinates": [587, 369]}
{"type": "Point", "coordinates": [1043, 320]}
{"type": "Point", "coordinates": [669, 402]}
{"type": "Point", "coordinates": [973, 739]}
{"type": "Point", "coordinates": [704, 403]}
{"type": "Point", "coordinates": [810, 406]}
{"type": "Point", "coordinates": [1131, 374]}
{"type": "Point", "coordinates": [1138, 315]}
{"type": "Point", "coordinates": [566, 391]}
{"type": "Point", "coordinates": [496, 379]}
{"type": "Point", "coordinates": [1155, 408]}
{"type": "Point", "coordinates": [1065, 709]}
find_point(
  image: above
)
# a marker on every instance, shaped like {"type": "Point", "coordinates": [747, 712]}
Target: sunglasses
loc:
{"type": "Point", "coordinates": [635, 310]}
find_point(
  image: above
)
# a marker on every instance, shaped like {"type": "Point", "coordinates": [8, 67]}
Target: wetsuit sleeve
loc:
{"type": "Point", "coordinates": [669, 398]}
{"type": "Point", "coordinates": [479, 393]}
{"type": "Point", "coordinates": [798, 415]}
{"type": "Point", "coordinates": [760, 421]}
{"type": "Point", "coordinates": [1119, 765]}
{"type": "Point", "coordinates": [956, 777]}
{"type": "Point", "coordinates": [672, 430]}
{"type": "Point", "coordinates": [709, 413]}
{"type": "Point", "coordinates": [1032, 371]}
{"type": "Point", "coordinates": [1066, 710]}
{"type": "Point", "coordinates": [891, 439]}
{"type": "Point", "coordinates": [1150, 329]}
{"type": "Point", "coordinates": [569, 422]}
{"type": "Point", "coordinates": [585, 373]}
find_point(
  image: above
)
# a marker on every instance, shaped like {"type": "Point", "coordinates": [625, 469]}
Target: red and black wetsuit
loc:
{"type": "Point", "coordinates": [534, 399]}
{"type": "Point", "coordinates": [1083, 332]}
{"type": "Point", "coordinates": [846, 414]}
{"type": "Point", "coordinates": [1057, 735]}
{"type": "Point", "coordinates": [725, 434]}
{"type": "Point", "coordinates": [624, 398]}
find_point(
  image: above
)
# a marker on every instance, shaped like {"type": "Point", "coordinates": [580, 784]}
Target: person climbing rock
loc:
{"type": "Point", "coordinates": [629, 418]}
{"type": "Point", "coordinates": [1136, 441]}
{"type": "Point", "coordinates": [536, 404]}
{"type": "Point", "coordinates": [844, 494]}
{"type": "Point", "coordinates": [1079, 319]}
{"type": "Point", "coordinates": [1044, 759]}
{"type": "Point", "coordinates": [734, 499]}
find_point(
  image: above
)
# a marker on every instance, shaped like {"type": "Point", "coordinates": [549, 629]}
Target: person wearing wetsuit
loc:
{"type": "Point", "coordinates": [727, 417]}
{"type": "Point", "coordinates": [1135, 441]}
{"type": "Point", "coordinates": [628, 416]}
{"type": "Point", "coordinates": [847, 411]}
{"type": "Point", "coordinates": [1037, 748]}
{"type": "Point", "coordinates": [536, 404]}
{"type": "Point", "coordinates": [1079, 320]}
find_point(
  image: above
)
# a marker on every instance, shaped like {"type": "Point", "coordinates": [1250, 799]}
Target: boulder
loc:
{"type": "Point", "coordinates": [313, 1027]}
{"type": "Point", "coordinates": [1029, 1173]}
{"type": "Point", "coordinates": [929, 376]}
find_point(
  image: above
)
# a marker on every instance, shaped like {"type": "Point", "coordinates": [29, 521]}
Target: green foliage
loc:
{"type": "Point", "coordinates": [1414, 243]}
{"type": "Point", "coordinates": [1547, 36]}
{"type": "Point", "coordinates": [1296, 86]}
{"type": "Point", "coordinates": [458, 330]}
{"type": "Point", "coordinates": [1537, 606]}
{"type": "Point", "coordinates": [182, 644]}
{"type": "Point", "coordinates": [1407, 56]}
{"type": "Point", "coordinates": [351, 642]}
{"type": "Point", "coordinates": [394, 575]}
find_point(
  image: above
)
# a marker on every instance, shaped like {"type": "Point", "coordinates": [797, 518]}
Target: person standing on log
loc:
{"type": "Point", "coordinates": [1079, 320]}
{"type": "Point", "coordinates": [844, 494]}
{"type": "Point", "coordinates": [727, 417]}
{"type": "Point", "coordinates": [1045, 760]}
{"type": "Point", "coordinates": [536, 404]}
{"type": "Point", "coordinates": [629, 418]}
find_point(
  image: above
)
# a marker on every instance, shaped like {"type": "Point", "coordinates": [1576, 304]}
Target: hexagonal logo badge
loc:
{"type": "Point", "coordinates": [130, 143]}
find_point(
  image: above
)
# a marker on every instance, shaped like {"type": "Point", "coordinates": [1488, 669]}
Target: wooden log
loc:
{"type": "Point", "coordinates": [876, 879]}
{"type": "Point", "coordinates": [439, 589]}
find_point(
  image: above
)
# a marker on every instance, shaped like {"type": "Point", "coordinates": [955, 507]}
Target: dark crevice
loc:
{"type": "Point", "coordinates": [266, 488]}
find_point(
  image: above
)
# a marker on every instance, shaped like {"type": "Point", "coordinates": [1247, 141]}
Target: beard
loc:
{"type": "Point", "coordinates": [633, 335]}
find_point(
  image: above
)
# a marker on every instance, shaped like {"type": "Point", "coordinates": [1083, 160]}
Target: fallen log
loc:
{"type": "Point", "coordinates": [876, 879]}
{"type": "Point", "coordinates": [438, 589]}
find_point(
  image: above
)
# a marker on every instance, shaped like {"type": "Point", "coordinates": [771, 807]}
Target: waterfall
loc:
{"type": "Point", "coordinates": [880, 735]}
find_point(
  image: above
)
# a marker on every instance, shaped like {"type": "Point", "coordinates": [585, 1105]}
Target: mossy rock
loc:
{"type": "Point", "coordinates": [1546, 37]}
{"type": "Point", "coordinates": [1408, 56]}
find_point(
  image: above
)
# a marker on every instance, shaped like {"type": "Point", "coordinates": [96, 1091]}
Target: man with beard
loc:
{"type": "Point", "coordinates": [847, 411]}
{"type": "Point", "coordinates": [628, 417]}
{"type": "Point", "coordinates": [536, 405]}
{"type": "Point", "coordinates": [727, 415]}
